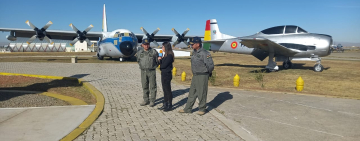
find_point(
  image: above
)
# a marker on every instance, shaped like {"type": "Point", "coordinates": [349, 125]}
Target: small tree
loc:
{"type": "Point", "coordinates": [259, 77]}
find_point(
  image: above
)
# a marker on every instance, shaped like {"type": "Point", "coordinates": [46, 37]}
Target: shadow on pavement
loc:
{"type": "Point", "coordinates": [218, 100]}
{"type": "Point", "coordinates": [175, 93]}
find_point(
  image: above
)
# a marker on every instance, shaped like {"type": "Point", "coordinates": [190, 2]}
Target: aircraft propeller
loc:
{"type": "Point", "coordinates": [81, 36]}
{"type": "Point", "coordinates": [150, 37]}
{"type": "Point", "coordinates": [180, 38]}
{"type": "Point", "coordinates": [40, 33]}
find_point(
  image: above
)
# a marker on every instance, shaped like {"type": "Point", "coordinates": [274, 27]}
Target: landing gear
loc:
{"type": "Point", "coordinates": [111, 58]}
{"type": "Point", "coordinates": [99, 57]}
{"type": "Point", "coordinates": [287, 64]}
{"type": "Point", "coordinates": [271, 66]}
{"type": "Point", "coordinates": [318, 67]}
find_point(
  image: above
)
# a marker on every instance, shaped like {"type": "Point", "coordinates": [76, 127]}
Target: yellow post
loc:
{"type": "Point", "coordinates": [299, 84]}
{"type": "Point", "coordinates": [183, 76]}
{"type": "Point", "coordinates": [174, 71]}
{"type": "Point", "coordinates": [236, 80]}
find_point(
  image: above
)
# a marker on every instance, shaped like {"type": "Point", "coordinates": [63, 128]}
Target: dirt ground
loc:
{"type": "Point", "coordinates": [339, 78]}
{"type": "Point", "coordinates": [63, 87]}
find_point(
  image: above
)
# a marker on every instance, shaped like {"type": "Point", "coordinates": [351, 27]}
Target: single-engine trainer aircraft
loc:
{"type": "Point", "coordinates": [285, 43]}
{"type": "Point", "coordinates": [120, 43]}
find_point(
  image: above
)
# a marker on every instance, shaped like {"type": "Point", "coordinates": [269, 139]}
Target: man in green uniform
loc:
{"type": "Point", "coordinates": [148, 62]}
{"type": "Point", "coordinates": [202, 66]}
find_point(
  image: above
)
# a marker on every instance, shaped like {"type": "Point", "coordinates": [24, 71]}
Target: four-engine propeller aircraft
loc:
{"type": "Point", "coordinates": [120, 43]}
{"type": "Point", "coordinates": [285, 43]}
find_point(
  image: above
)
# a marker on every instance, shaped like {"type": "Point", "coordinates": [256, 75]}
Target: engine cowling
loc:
{"type": "Point", "coordinates": [11, 38]}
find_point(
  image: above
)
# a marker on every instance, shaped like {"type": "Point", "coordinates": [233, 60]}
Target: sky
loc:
{"type": "Point", "coordinates": [338, 18]}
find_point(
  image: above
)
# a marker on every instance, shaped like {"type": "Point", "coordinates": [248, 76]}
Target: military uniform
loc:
{"type": "Point", "coordinates": [148, 62]}
{"type": "Point", "coordinates": [202, 66]}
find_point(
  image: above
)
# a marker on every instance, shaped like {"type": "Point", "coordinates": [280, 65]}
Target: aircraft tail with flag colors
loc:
{"type": "Point", "coordinates": [104, 25]}
{"type": "Point", "coordinates": [212, 31]}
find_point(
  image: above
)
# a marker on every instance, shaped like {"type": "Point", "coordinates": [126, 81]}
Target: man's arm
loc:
{"type": "Point", "coordinates": [156, 57]}
{"type": "Point", "coordinates": [208, 62]}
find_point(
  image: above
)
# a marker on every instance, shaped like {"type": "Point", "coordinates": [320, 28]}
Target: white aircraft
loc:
{"type": "Point", "coordinates": [120, 43]}
{"type": "Point", "coordinates": [284, 43]}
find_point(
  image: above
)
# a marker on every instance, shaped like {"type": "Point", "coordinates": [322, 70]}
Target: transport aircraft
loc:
{"type": "Point", "coordinates": [120, 43]}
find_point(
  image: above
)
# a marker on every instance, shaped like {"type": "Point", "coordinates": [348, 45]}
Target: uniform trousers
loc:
{"type": "Point", "coordinates": [148, 79]}
{"type": "Point", "coordinates": [166, 85]}
{"type": "Point", "coordinates": [198, 89]}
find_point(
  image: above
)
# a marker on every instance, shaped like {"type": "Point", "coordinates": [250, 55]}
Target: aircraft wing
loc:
{"type": "Point", "coordinates": [54, 34]}
{"type": "Point", "coordinates": [162, 38]}
{"type": "Point", "coordinates": [267, 45]}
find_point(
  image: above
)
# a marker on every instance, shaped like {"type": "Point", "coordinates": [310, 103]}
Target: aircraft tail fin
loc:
{"type": "Point", "coordinates": [104, 26]}
{"type": "Point", "coordinates": [212, 31]}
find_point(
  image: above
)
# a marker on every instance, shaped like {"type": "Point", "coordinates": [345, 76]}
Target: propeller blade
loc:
{"type": "Point", "coordinates": [48, 40]}
{"type": "Point", "coordinates": [47, 25]}
{"type": "Point", "coordinates": [143, 30]}
{"type": "Point", "coordinates": [156, 44]}
{"type": "Point", "coordinates": [30, 24]}
{"type": "Point", "coordinates": [74, 41]}
{"type": "Point", "coordinates": [186, 31]}
{"type": "Point", "coordinates": [89, 28]}
{"type": "Point", "coordinates": [88, 41]}
{"type": "Point", "coordinates": [186, 43]}
{"type": "Point", "coordinates": [31, 39]}
{"type": "Point", "coordinates": [156, 31]}
{"type": "Point", "coordinates": [175, 43]}
{"type": "Point", "coordinates": [74, 28]}
{"type": "Point", "coordinates": [173, 29]}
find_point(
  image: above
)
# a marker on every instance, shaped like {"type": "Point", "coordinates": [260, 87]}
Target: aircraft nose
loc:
{"type": "Point", "coordinates": [126, 48]}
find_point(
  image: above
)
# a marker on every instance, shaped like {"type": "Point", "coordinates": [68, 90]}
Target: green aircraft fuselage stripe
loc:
{"type": "Point", "coordinates": [206, 46]}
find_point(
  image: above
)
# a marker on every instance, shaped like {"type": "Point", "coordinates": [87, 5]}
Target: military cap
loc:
{"type": "Point", "coordinates": [195, 40]}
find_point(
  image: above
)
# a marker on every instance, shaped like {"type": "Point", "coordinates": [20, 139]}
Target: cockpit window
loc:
{"type": "Point", "coordinates": [274, 30]}
{"type": "Point", "coordinates": [126, 34]}
{"type": "Point", "coordinates": [300, 30]}
{"type": "Point", "coordinates": [290, 29]}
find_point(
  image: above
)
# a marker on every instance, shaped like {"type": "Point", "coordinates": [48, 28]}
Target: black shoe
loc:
{"type": "Point", "coordinates": [168, 107]}
{"type": "Point", "coordinates": [163, 106]}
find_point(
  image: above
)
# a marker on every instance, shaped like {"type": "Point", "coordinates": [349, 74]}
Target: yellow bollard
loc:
{"type": "Point", "coordinates": [174, 71]}
{"type": "Point", "coordinates": [299, 84]}
{"type": "Point", "coordinates": [183, 76]}
{"type": "Point", "coordinates": [236, 80]}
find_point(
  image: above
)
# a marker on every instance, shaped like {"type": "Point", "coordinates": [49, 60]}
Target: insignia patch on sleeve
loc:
{"type": "Point", "coordinates": [208, 56]}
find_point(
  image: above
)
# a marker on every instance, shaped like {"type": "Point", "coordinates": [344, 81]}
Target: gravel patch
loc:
{"type": "Point", "coordinates": [16, 99]}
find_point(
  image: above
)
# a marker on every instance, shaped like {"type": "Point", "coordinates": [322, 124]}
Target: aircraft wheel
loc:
{"type": "Point", "coordinates": [121, 59]}
{"type": "Point", "coordinates": [318, 68]}
{"type": "Point", "coordinates": [111, 58]}
{"type": "Point", "coordinates": [287, 64]}
{"type": "Point", "coordinates": [99, 57]}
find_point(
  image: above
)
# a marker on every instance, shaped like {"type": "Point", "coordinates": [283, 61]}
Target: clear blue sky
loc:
{"type": "Point", "coordinates": [338, 18]}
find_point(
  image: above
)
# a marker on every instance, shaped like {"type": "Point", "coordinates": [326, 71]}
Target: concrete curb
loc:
{"type": "Point", "coordinates": [279, 92]}
{"type": "Point", "coordinates": [99, 106]}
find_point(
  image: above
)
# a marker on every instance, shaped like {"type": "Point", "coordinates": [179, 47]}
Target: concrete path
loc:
{"type": "Point", "coordinates": [283, 117]}
{"type": "Point", "coordinates": [123, 118]}
{"type": "Point", "coordinates": [41, 123]}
